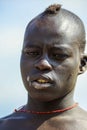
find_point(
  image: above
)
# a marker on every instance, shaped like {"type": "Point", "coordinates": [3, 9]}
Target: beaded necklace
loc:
{"type": "Point", "coordinates": [48, 112]}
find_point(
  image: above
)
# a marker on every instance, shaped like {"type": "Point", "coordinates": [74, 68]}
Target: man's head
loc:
{"type": "Point", "coordinates": [53, 53]}
{"type": "Point", "coordinates": [66, 20]}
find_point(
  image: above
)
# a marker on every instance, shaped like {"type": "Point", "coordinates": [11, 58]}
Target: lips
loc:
{"type": "Point", "coordinates": [42, 82]}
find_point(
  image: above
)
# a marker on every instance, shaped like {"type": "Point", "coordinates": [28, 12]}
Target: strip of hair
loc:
{"type": "Point", "coordinates": [53, 9]}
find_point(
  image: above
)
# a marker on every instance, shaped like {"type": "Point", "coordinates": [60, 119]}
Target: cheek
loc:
{"type": "Point", "coordinates": [67, 72]}
{"type": "Point", "coordinates": [25, 68]}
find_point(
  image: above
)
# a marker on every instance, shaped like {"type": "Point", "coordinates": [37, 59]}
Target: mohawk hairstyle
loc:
{"type": "Point", "coordinates": [53, 9]}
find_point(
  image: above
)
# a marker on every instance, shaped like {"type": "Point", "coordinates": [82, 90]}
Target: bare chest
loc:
{"type": "Point", "coordinates": [50, 124]}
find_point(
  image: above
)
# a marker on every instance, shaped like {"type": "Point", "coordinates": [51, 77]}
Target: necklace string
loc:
{"type": "Point", "coordinates": [48, 112]}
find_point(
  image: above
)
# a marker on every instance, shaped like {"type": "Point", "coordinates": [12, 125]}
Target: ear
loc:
{"type": "Point", "coordinates": [83, 64]}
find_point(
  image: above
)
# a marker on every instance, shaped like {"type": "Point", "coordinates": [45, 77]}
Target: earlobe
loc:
{"type": "Point", "coordinates": [83, 64]}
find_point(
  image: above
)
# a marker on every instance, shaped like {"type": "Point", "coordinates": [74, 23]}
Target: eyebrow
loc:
{"type": "Point", "coordinates": [61, 48]}
{"type": "Point", "coordinates": [31, 46]}
{"type": "Point", "coordinates": [54, 46]}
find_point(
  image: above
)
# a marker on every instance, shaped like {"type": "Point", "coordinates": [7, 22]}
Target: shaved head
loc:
{"type": "Point", "coordinates": [64, 20]}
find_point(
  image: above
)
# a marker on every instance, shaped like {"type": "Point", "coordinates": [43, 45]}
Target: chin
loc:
{"type": "Point", "coordinates": [41, 98]}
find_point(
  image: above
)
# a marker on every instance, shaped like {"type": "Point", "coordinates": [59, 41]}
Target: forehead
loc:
{"type": "Point", "coordinates": [51, 30]}
{"type": "Point", "coordinates": [42, 27]}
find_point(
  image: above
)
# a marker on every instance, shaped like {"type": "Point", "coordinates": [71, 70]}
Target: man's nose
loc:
{"type": "Point", "coordinates": [43, 64]}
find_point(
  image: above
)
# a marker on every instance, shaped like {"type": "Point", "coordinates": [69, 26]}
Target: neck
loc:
{"type": "Point", "coordinates": [61, 103]}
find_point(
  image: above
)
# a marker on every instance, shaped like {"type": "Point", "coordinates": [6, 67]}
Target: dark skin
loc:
{"type": "Point", "coordinates": [50, 63]}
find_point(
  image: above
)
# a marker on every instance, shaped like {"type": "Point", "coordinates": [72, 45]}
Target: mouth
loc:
{"type": "Point", "coordinates": [42, 83]}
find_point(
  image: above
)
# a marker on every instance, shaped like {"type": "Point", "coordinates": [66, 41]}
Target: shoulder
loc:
{"type": "Point", "coordinates": [4, 123]}
{"type": "Point", "coordinates": [81, 114]}
{"type": "Point", "coordinates": [75, 119]}
{"type": "Point", "coordinates": [8, 122]}
{"type": "Point", "coordinates": [79, 119]}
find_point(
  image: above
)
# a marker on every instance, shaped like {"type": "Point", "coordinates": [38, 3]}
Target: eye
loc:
{"type": "Point", "coordinates": [60, 57]}
{"type": "Point", "coordinates": [31, 52]}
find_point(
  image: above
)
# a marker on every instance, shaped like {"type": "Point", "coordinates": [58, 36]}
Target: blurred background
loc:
{"type": "Point", "coordinates": [14, 16]}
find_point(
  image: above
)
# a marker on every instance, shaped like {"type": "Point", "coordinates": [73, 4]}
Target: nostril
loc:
{"type": "Point", "coordinates": [43, 65]}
